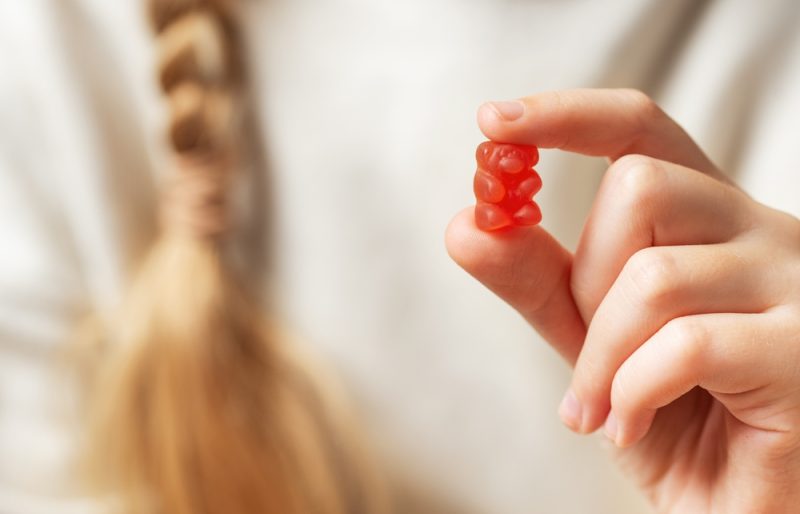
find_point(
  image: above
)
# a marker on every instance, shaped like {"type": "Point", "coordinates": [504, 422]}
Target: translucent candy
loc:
{"type": "Point", "coordinates": [504, 185]}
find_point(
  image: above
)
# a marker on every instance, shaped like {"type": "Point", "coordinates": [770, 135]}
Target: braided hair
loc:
{"type": "Point", "coordinates": [200, 406]}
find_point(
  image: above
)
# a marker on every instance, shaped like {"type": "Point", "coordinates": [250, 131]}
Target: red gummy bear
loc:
{"type": "Point", "coordinates": [504, 185]}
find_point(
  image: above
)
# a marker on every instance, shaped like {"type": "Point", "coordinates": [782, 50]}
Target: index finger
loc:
{"type": "Point", "coordinates": [599, 122]}
{"type": "Point", "coordinates": [528, 269]}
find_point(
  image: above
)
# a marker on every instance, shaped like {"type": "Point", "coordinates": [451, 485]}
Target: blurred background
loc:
{"type": "Point", "coordinates": [366, 121]}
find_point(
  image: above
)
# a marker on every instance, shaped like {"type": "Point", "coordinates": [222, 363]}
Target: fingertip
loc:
{"type": "Point", "coordinates": [626, 430]}
{"type": "Point", "coordinates": [611, 427]}
{"type": "Point", "coordinates": [459, 236]}
{"type": "Point", "coordinates": [596, 404]}
{"type": "Point", "coordinates": [487, 118]}
{"type": "Point", "coordinates": [484, 254]}
{"type": "Point", "coordinates": [493, 123]}
{"type": "Point", "coordinates": [581, 410]}
{"type": "Point", "coordinates": [617, 432]}
{"type": "Point", "coordinates": [624, 439]}
{"type": "Point", "coordinates": [513, 121]}
{"type": "Point", "coordinates": [570, 412]}
{"type": "Point", "coordinates": [640, 428]}
{"type": "Point", "coordinates": [500, 250]}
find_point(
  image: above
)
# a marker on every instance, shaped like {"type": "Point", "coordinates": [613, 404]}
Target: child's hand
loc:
{"type": "Point", "coordinates": [680, 310]}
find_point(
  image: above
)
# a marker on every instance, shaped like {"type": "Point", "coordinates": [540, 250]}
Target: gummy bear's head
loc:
{"type": "Point", "coordinates": [506, 158]}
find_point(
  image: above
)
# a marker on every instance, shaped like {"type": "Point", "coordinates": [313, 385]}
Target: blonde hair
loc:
{"type": "Point", "coordinates": [201, 405]}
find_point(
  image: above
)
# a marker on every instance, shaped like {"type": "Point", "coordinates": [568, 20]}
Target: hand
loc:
{"type": "Point", "coordinates": [680, 309]}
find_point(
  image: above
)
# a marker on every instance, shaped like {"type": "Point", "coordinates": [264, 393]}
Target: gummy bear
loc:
{"type": "Point", "coordinates": [504, 185]}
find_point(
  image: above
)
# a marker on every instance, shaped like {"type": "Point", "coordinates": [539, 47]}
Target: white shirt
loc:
{"type": "Point", "coordinates": [367, 109]}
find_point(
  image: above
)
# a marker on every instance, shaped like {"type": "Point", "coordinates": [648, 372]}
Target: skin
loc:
{"type": "Point", "coordinates": [679, 311]}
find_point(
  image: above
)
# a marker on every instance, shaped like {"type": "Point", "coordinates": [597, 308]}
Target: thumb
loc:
{"type": "Point", "coordinates": [528, 269]}
{"type": "Point", "coordinates": [600, 122]}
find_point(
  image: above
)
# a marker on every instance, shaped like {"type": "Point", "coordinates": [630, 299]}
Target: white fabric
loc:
{"type": "Point", "coordinates": [367, 107]}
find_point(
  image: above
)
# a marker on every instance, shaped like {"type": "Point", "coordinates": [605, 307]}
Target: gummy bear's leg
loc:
{"type": "Point", "coordinates": [528, 214]}
{"type": "Point", "coordinates": [491, 217]}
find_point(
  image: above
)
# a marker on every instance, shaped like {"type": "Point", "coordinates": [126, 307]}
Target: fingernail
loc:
{"type": "Point", "coordinates": [611, 427]}
{"type": "Point", "coordinates": [571, 411]}
{"type": "Point", "coordinates": [508, 111]}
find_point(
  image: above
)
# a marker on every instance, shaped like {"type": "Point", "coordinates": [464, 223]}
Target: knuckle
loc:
{"type": "Point", "coordinates": [689, 338]}
{"type": "Point", "coordinates": [638, 180]}
{"type": "Point", "coordinates": [791, 227]}
{"type": "Point", "coordinates": [643, 106]}
{"type": "Point", "coordinates": [651, 277]}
